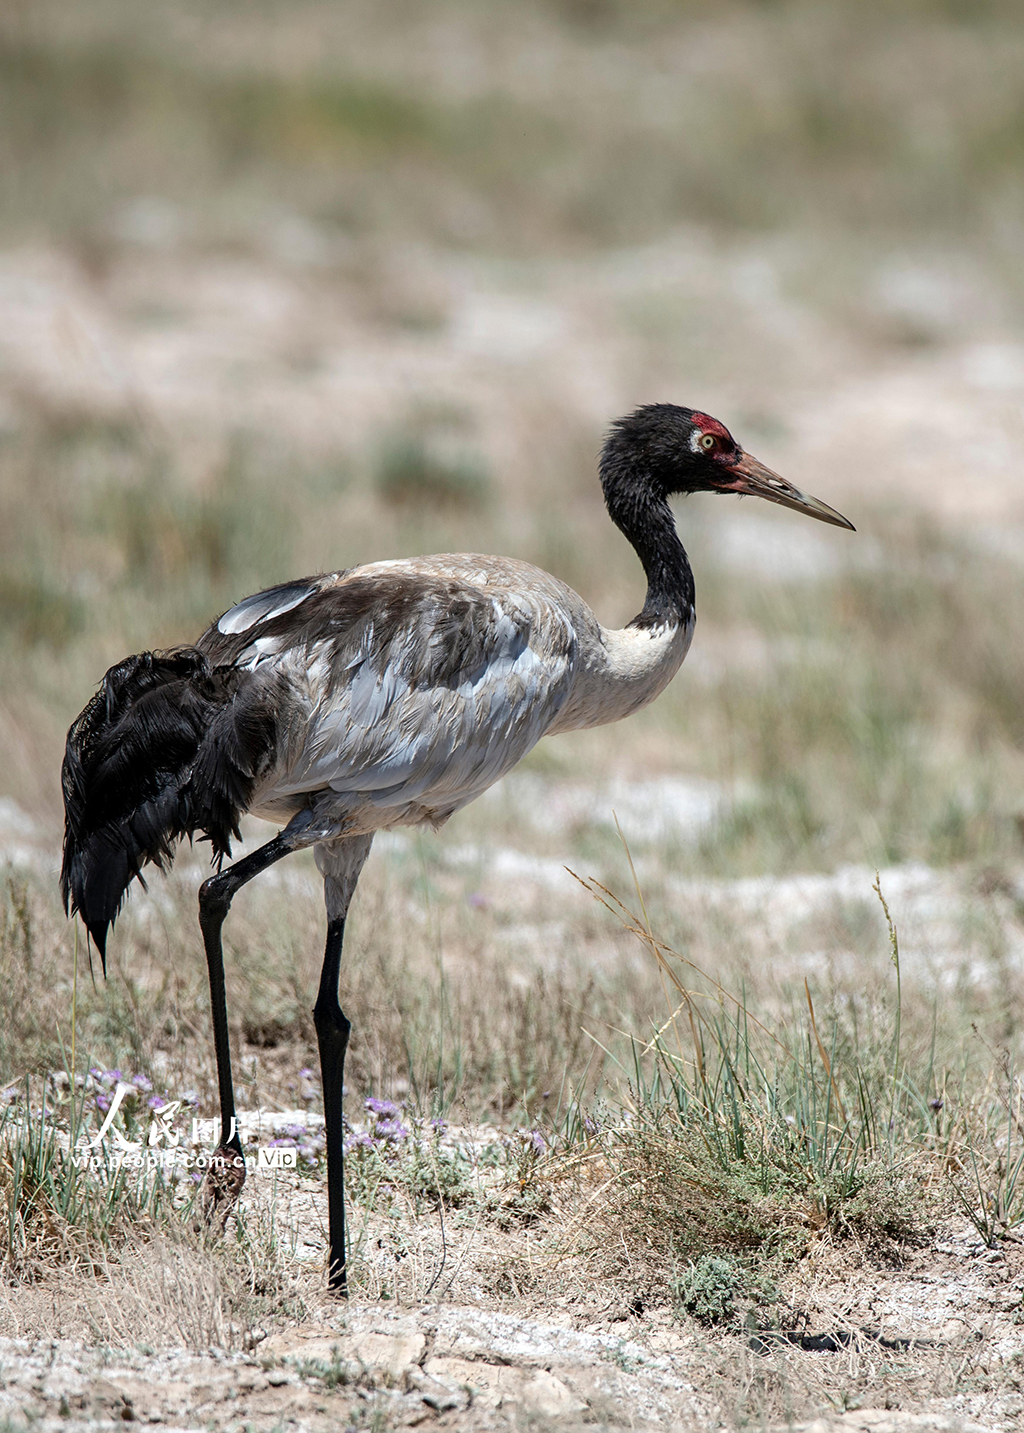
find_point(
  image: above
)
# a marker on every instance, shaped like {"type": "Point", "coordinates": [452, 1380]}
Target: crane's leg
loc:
{"type": "Point", "coordinates": [226, 1174]}
{"type": "Point", "coordinates": [341, 862]}
{"type": "Point", "coordinates": [332, 1032]}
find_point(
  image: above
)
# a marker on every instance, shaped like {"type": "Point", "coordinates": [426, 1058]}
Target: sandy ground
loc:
{"type": "Point", "coordinates": [933, 1346]}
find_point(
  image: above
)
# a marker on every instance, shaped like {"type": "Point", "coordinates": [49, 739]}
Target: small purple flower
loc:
{"type": "Point", "coordinates": [590, 1126]}
{"type": "Point", "coordinates": [189, 1097]}
{"type": "Point", "coordinates": [307, 1074]}
{"type": "Point", "coordinates": [102, 1103]}
{"type": "Point", "coordinates": [387, 1108]}
{"type": "Point", "coordinates": [282, 1144]}
{"type": "Point", "coordinates": [439, 1126]}
{"type": "Point", "coordinates": [111, 1077]}
{"type": "Point", "coordinates": [536, 1141]}
{"type": "Point", "coordinates": [390, 1129]}
{"type": "Point", "coordinates": [141, 1082]}
{"type": "Point", "coordinates": [156, 1102]}
{"type": "Point", "coordinates": [294, 1131]}
{"type": "Point", "coordinates": [359, 1140]}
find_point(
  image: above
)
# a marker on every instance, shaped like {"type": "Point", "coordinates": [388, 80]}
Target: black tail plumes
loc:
{"type": "Point", "coordinates": [168, 746]}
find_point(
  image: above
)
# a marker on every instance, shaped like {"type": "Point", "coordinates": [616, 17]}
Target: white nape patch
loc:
{"type": "Point", "coordinates": [640, 653]}
{"type": "Point", "coordinates": [638, 663]}
{"type": "Point", "coordinates": [262, 608]}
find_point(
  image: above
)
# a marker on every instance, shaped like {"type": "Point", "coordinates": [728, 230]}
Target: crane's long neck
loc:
{"type": "Point", "coordinates": [624, 670]}
{"type": "Point", "coordinates": [646, 520]}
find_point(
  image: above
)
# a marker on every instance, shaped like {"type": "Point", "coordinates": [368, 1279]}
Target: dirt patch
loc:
{"type": "Point", "coordinates": [935, 1345]}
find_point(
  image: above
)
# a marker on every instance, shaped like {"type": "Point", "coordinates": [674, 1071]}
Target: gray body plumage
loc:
{"type": "Point", "coordinates": [402, 690]}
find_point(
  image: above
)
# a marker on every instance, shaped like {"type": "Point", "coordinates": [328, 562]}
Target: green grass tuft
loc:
{"type": "Point", "coordinates": [757, 1140]}
{"type": "Point", "coordinates": [55, 1212]}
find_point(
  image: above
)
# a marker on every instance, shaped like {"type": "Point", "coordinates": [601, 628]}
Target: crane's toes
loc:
{"type": "Point", "coordinates": [223, 1185]}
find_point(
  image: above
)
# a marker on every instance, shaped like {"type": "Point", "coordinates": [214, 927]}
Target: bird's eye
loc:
{"type": "Point", "coordinates": [707, 441]}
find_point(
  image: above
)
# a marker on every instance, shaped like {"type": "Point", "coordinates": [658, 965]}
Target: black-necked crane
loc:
{"type": "Point", "coordinates": [386, 695]}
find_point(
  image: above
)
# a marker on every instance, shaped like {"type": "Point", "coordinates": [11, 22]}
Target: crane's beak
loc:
{"type": "Point", "coordinates": [754, 478]}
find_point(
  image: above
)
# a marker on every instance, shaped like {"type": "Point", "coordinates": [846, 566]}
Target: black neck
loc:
{"type": "Point", "coordinates": [646, 519]}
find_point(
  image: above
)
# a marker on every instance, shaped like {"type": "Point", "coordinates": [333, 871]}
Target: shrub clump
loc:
{"type": "Point", "coordinates": [707, 1289]}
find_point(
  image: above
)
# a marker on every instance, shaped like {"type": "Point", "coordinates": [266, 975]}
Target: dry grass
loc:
{"type": "Point", "coordinates": [609, 1216]}
{"type": "Point", "coordinates": [755, 1117]}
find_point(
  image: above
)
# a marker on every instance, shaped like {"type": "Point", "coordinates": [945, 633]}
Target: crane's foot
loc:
{"type": "Point", "coordinates": [222, 1185]}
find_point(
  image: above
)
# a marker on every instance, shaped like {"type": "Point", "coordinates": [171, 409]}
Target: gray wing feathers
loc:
{"type": "Point", "coordinates": [263, 607]}
{"type": "Point", "coordinates": [401, 722]}
{"type": "Point", "coordinates": [408, 682]}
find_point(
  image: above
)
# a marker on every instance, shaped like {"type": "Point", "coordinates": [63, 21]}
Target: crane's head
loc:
{"type": "Point", "coordinates": [679, 450]}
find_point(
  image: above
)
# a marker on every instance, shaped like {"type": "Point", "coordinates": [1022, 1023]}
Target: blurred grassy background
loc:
{"type": "Point", "coordinates": [286, 286]}
{"type": "Point", "coordinates": [518, 126]}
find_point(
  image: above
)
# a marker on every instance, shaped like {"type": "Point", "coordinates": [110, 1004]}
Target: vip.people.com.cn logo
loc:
{"type": "Point", "coordinates": [165, 1147]}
